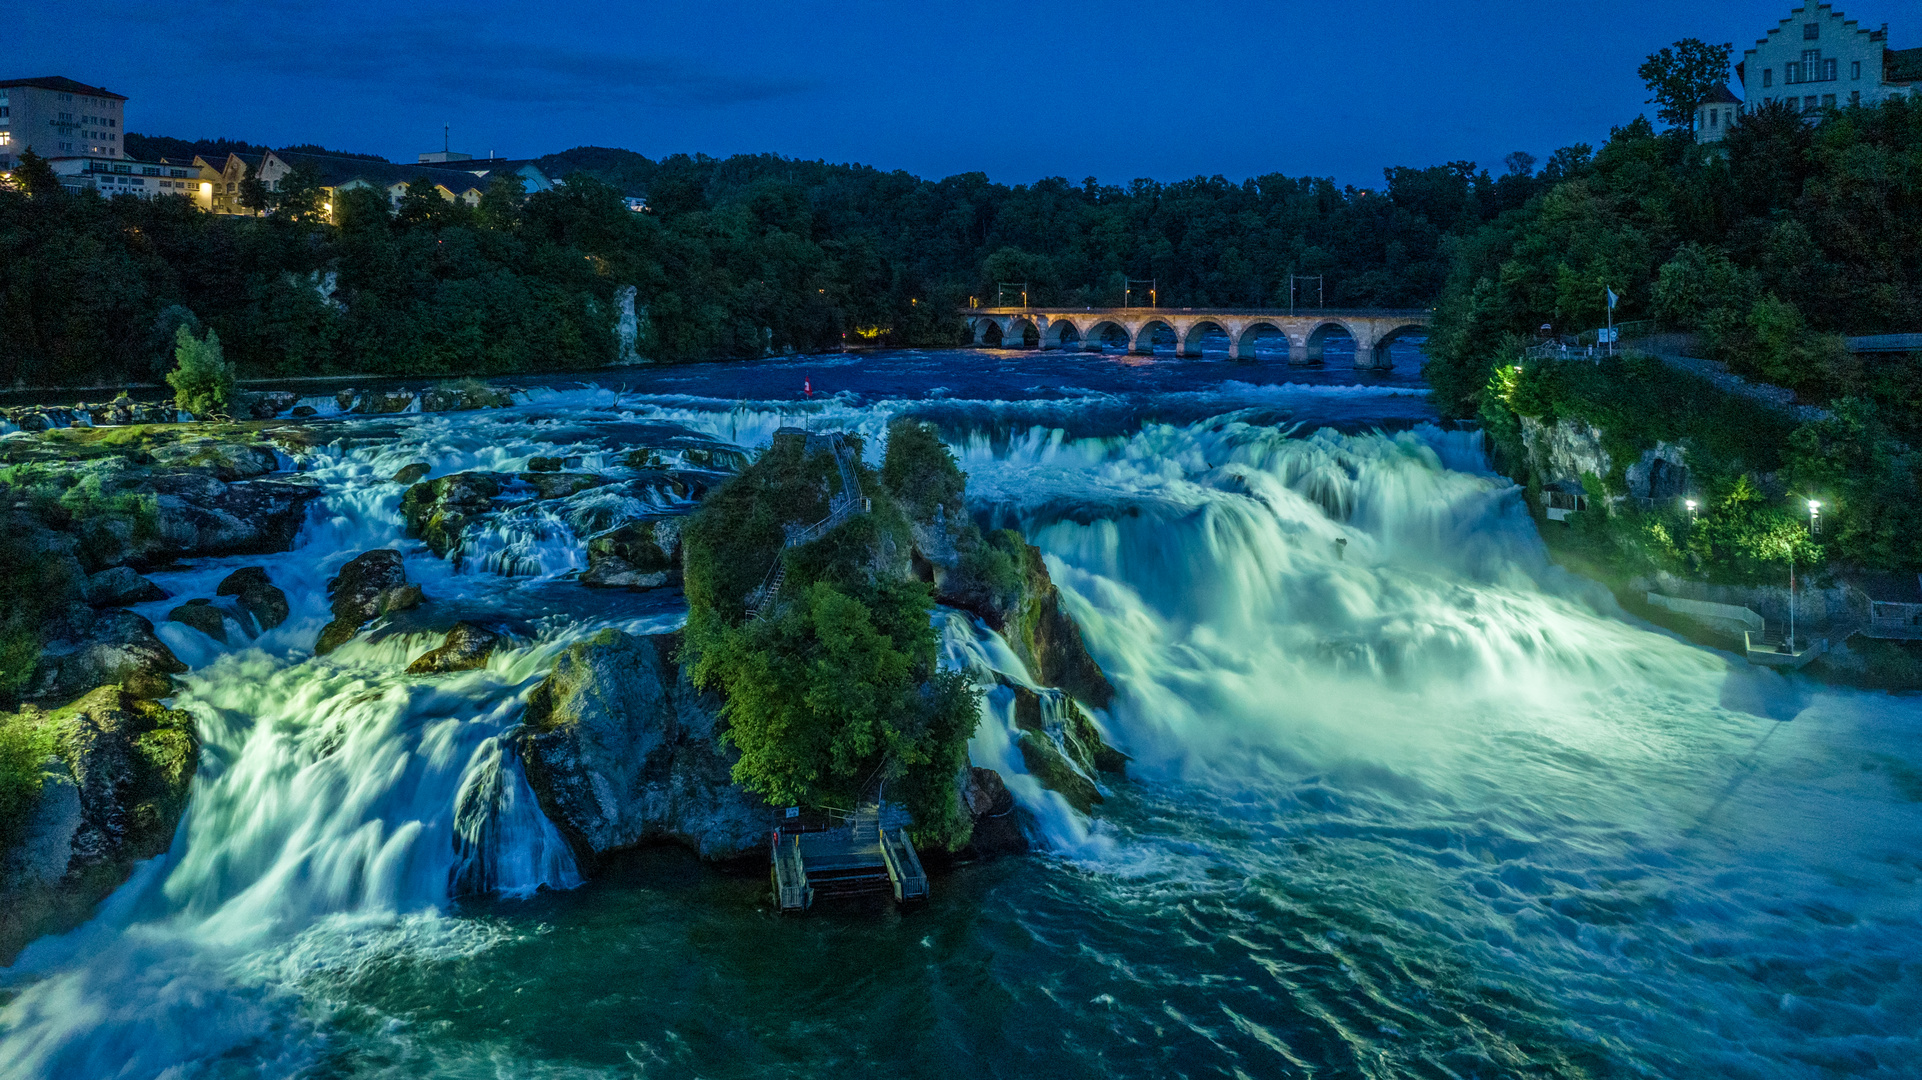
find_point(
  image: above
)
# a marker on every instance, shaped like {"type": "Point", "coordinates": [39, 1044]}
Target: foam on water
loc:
{"type": "Point", "coordinates": [1419, 803]}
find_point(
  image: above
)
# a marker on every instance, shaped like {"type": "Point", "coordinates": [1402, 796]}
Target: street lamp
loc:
{"type": "Point", "coordinates": [1815, 522]}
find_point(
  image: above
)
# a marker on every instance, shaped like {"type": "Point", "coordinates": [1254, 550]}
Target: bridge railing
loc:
{"type": "Point", "coordinates": [1272, 313]}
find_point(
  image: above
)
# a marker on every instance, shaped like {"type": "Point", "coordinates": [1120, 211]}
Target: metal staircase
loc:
{"type": "Point", "coordinates": [841, 507]}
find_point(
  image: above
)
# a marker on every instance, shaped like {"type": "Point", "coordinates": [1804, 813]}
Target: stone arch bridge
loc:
{"type": "Point", "coordinates": [1306, 332]}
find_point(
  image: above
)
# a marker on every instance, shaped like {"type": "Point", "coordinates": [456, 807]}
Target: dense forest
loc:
{"type": "Point", "coordinates": [735, 258]}
{"type": "Point", "coordinates": [1760, 252]}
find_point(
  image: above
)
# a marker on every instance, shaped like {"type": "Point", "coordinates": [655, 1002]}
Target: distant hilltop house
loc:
{"type": "Point", "coordinates": [81, 131]}
{"type": "Point", "coordinates": [1815, 59]}
{"type": "Point", "coordinates": [462, 181]}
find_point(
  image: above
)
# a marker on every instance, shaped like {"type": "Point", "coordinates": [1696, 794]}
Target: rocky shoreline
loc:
{"type": "Point", "coordinates": [619, 746]}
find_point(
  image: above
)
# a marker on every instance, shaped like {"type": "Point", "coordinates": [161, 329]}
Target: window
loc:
{"type": "Point", "coordinates": [1811, 31]}
{"type": "Point", "coordinates": [6, 110]}
{"type": "Point", "coordinates": [1713, 114]}
{"type": "Point", "coordinates": [1855, 71]}
{"type": "Point", "coordinates": [1828, 74]}
{"type": "Point", "coordinates": [1828, 101]}
{"type": "Point", "coordinates": [1808, 103]}
{"type": "Point", "coordinates": [1768, 76]}
{"type": "Point", "coordinates": [1855, 97]}
{"type": "Point", "coordinates": [149, 170]}
{"type": "Point", "coordinates": [176, 172]}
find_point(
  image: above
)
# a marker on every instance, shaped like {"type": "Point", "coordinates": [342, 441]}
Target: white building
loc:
{"type": "Point", "coordinates": [57, 117]}
{"type": "Point", "coordinates": [1819, 59]}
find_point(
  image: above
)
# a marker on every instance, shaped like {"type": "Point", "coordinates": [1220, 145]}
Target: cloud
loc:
{"type": "Point", "coordinates": [455, 55]}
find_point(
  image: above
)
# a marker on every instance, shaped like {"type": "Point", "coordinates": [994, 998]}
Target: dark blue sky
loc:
{"type": "Point", "coordinates": [1016, 88]}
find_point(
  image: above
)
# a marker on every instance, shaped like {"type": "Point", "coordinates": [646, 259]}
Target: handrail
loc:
{"type": "Point", "coordinates": [840, 508]}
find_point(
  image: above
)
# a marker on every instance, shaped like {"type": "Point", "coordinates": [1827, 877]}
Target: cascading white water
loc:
{"type": "Point", "coordinates": [1420, 801]}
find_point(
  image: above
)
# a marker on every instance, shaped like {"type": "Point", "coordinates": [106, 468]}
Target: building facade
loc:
{"type": "Point", "coordinates": [58, 117]}
{"type": "Point", "coordinates": [1818, 58]}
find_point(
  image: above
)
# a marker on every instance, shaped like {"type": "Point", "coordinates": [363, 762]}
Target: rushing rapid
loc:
{"type": "Point", "coordinates": [1406, 799]}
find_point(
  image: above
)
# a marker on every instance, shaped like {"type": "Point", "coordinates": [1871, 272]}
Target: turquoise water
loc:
{"type": "Point", "coordinates": [1422, 805]}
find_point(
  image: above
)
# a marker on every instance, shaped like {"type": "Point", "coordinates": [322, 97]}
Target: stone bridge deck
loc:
{"type": "Point", "coordinates": [1306, 331]}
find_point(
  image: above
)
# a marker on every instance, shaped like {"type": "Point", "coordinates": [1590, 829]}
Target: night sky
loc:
{"type": "Point", "coordinates": [1016, 88]}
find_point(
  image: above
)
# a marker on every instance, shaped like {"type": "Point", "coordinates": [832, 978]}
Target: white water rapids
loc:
{"type": "Point", "coordinates": [1424, 750]}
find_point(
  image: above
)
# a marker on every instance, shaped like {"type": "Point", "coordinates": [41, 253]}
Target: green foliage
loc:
{"type": "Point", "coordinates": [203, 380]}
{"type": "Point", "coordinates": [25, 744]}
{"type": "Point", "coordinates": [1681, 76]}
{"type": "Point", "coordinates": [920, 470]}
{"type": "Point", "coordinates": [839, 684]}
{"type": "Point", "coordinates": [1765, 248]}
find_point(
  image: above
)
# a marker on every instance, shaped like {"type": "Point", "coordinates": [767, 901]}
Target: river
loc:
{"type": "Point", "coordinates": [1416, 804]}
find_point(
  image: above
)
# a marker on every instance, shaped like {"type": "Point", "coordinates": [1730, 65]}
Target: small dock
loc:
{"type": "Point", "coordinates": [866, 852]}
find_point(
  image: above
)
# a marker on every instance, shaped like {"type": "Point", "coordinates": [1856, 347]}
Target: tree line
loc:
{"type": "Point", "coordinates": [735, 258]}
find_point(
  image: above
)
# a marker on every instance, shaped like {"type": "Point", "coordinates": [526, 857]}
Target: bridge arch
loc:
{"type": "Point", "coordinates": [1144, 336]}
{"type": "Point", "coordinates": [1017, 332]}
{"type": "Point", "coordinates": [1060, 333]}
{"type": "Point", "coordinates": [1320, 336]}
{"type": "Point", "coordinates": [1247, 345]}
{"type": "Point", "coordinates": [1378, 355]}
{"type": "Point", "coordinates": [1190, 342]}
{"type": "Point", "coordinates": [1098, 334]}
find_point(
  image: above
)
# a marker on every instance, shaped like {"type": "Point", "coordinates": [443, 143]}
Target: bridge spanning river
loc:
{"type": "Point", "coordinates": [1306, 332]}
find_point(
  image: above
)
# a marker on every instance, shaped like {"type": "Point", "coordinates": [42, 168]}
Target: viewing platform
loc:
{"type": "Point", "coordinates": [867, 853]}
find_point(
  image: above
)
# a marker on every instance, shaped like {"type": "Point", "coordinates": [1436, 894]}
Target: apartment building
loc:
{"type": "Point", "coordinates": [55, 116]}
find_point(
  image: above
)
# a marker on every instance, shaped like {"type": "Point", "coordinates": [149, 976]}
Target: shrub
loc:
{"type": "Point", "coordinates": [203, 380]}
{"type": "Point", "coordinates": [24, 747]}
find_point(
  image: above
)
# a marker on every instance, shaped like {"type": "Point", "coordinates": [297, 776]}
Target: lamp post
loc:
{"type": "Point", "coordinates": [1815, 522]}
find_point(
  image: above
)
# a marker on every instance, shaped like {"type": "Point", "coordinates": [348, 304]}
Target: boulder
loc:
{"type": "Point", "coordinates": [302, 412]}
{"type": "Point", "coordinates": [409, 475]}
{"type": "Point", "coordinates": [200, 516]}
{"type": "Point", "coordinates": [437, 511]}
{"type": "Point", "coordinates": [470, 394]}
{"type": "Point", "coordinates": [991, 807]}
{"type": "Point", "coordinates": [118, 647]}
{"type": "Point", "coordinates": [267, 404]}
{"type": "Point", "coordinates": [643, 554]}
{"type": "Point", "coordinates": [545, 464]}
{"type": "Point", "coordinates": [381, 402]}
{"type": "Point", "coordinates": [120, 586]}
{"type": "Point", "coordinates": [1061, 747]}
{"type": "Point", "coordinates": [621, 750]}
{"type": "Point", "coordinates": [560, 485]}
{"type": "Point", "coordinates": [372, 584]}
{"type": "Point", "coordinates": [228, 461]}
{"type": "Point", "coordinates": [465, 648]}
{"type": "Point", "coordinates": [258, 596]}
{"type": "Point", "coordinates": [202, 616]}
{"type": "Point", "coordinates": [114, 793]}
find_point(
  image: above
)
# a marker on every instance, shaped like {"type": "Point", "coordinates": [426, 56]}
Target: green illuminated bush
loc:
{"type": "Point", "coordinates": [203, 380]}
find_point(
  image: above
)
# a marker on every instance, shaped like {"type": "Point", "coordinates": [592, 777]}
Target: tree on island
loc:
{"type": "Point", "coordinates": [204, 380]}
{"type": "Point", "coordinates": [1681, 76]}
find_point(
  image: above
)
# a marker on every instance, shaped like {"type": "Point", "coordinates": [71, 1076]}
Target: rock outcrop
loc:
{"type": "Point", "coordinates": [996, 818]}
{"type": "Point", "coordinates": [121, 586]}
{"type": "Point", "coordinates": [409, 475]}
{"type": "Point", "coordinates": [465, 648]}
{"type": "Point", "coordinates": [112, 795]}
{"type": "Point", "coordinates": [372, 584]}
{"type": "Point", "coordinates": [1061, 746]}
{"type": "Point", "coordinates": [621, 750]}
{"type": "Point", "coordinates": [644, 554]}
{"type": "Point", "coordinates": [257, 596]}
{"type": "Point", "coordinates": [111, 647]}
{"type": "Point", "coordinates": [438, 511]}
{"type": "Point", "coordinates": [202, 616]}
